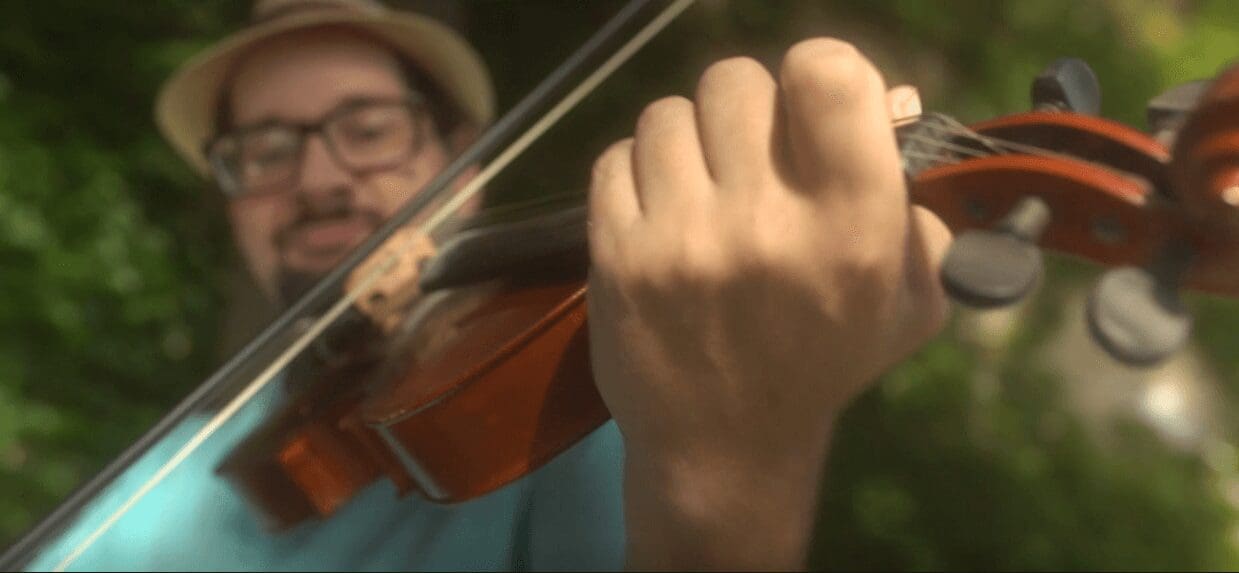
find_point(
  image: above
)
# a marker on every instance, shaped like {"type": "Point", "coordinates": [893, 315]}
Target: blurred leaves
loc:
{"type": "Point", "coordinates": [106, 253]}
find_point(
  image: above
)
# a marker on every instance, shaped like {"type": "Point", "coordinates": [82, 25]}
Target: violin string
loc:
{"type": "Point", "coordinates": [958, 129]}
{"type": "Point", "coordinates": [944, 144]}
{"type": "Point", "coordinates": [954, 126]}
{"type": "Point", "coordinates": [514, 149]}
{"type": "Point", "coordinates": [1001, 146]}
{"type": "Point", "coordinates": [942, 159]}
{"type": "Point", "coordinates": [444, 212]}
{"type": "Point", "coordinates": [995, 145]}
{"type": "Point", "coordinates": [999, 143]}
{"type": "Point", "coordinates": [538, 204]}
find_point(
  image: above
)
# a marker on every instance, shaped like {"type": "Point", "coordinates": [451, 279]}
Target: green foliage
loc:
{"type": "Point", "coordinates": [110, 290]}
{"type": "Point", "coordinates": [115, 260]}
{"type": "Point", "coordinates": [1011, 484]}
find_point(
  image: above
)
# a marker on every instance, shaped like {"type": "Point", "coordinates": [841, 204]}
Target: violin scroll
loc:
{"type": "Point", "coordinates": [1167, 112]}
{"type": "Point", "coordinates": [999, 266]}
{"type": "Point", "coordinates": [1136, 314]}
{"type": "Point", "coordinates": [1067, 84]}
{"type": "Point", "coordinates": [1061, 179]}
{"type": "Point", "coordinates": [1206, 160]}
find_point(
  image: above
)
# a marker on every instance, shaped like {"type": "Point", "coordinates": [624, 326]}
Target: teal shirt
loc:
{"type": "Point", "coordinates": [565, 516]}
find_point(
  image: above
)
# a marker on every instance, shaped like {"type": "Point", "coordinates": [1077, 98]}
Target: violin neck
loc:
{"type": "Point", "coordinates": [922, 143]}
{"type": "Point", "coordinates": [549, 245]}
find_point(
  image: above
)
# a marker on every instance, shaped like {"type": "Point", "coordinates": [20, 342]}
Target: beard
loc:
{"type": "Point", "coordinates": [292, 282]}
{"type": "Point", "coordinates": [346, 342]}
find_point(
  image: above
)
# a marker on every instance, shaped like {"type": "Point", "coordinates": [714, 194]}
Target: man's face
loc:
{"type": "Point", "coordinates": [294, 234]}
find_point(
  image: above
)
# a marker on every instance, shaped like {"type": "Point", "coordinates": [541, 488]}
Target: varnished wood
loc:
{"type": "Point", "coordinates": [511, 389]}
{"type": "Point", "coordinates": [486, 383]}
{"type": "Point", "coordinates": [1206, 163]}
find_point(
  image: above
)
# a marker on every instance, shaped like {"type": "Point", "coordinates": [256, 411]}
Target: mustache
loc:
{"type": "Point", "coordinates": [306, 218]}
{"type": "Point", "coordinates": [292, 283]}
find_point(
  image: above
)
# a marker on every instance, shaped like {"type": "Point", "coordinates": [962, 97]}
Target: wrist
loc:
{"type": "Point", "coordinates": [698, 509]}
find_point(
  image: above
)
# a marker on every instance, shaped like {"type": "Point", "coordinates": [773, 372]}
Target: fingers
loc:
{"type": "Point", "coordinates": [830, 113]}
{"type": "Point", "coordinates": [839, 124]}
{"type": "Point", "coordinates": [613, 203]}
{"type": "Point", "coordinates": [933, 236]}
{"type": "Point", "coordinates": [929, 240]}
{"type": "Point", "coordinates": [737, 107]}
{"type": "Point", "coordinates": [670, 171]}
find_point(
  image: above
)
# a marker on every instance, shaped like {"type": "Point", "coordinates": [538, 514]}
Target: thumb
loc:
{"type": "Point", "coordinates": [928, 241]}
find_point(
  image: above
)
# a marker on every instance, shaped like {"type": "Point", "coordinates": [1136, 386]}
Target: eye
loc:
{"type": "Point", "coordinates": [267, 157]}
{"type": "Point", "coordinates": [374, 125]}
{"type": "Point", "coordinates": [368, 132]}
{"type": "Point", "coordinates": [268, 150]}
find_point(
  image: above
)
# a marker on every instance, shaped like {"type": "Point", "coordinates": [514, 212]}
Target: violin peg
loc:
{"type": "Point", "coordinates": [1137, 315]}
{"type": "Point", "coordinates": [1000, 266]}
{"type": "Point", "coordinates": [1167, 112]}
{"type": "Point", "coordinates": [987, 269]}
{"type": "Point", "coordinates": [1067, 84]}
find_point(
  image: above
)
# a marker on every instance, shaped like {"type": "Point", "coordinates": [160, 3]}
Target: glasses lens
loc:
{"type": "Point", "coordinates": [257, 159]}
{"type": "Point", "coordinates": [374, 136]}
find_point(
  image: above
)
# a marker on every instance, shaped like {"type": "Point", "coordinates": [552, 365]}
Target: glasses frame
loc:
{"type": "Point", "coordinates": [233, 188]}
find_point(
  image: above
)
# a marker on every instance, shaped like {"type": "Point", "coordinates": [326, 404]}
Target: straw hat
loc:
{"type": "Point", "coordinates": [186, 108]}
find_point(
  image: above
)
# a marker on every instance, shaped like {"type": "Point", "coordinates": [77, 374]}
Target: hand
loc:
{"type": "Point", "coordinates": [756, 260]}
{"type": "Point", "coordinates": [756, 264]}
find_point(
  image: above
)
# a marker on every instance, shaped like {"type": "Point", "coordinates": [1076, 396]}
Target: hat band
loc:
{"type": "Point", "coordinates": [302, 6]}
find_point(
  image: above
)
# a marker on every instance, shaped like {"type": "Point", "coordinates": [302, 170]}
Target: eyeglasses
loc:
{"type": "Point", "coordinates": [363, 136]}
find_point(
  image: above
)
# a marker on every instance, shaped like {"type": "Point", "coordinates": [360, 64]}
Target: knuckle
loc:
{"type": "Point", "coordinates": [623, 269]}
{"type": "Point", "coordinates": [819, 55]}
{"type": "Point", "coordinates": [871, 261]}
{"type": "Point", "coordinates": [650, 277]}
{"type": "Point", "coordinates": [724, 75]}
{"type": "Point", "coordinates": [675, 267]}
{"type": "Point", "coordinates": [769, 248]}
{"type": "Point", "coordinates": [661, 112]}
{"type": "Point", "coordinates": [602, 250]}
{"type": "Point", "coordinates": [611, 163]}
{"type": "Point", "coordinates": [774, 234]}
{"type": "Point", "coordinates": [701, 263]}
{"type": "Point", "coordinates": [832, 66]}
{"type": "Point", "coordinates": [868, 265]}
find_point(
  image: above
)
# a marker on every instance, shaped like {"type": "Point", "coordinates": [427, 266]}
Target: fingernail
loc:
{"type": "Point", "coordinates": [905, 102]}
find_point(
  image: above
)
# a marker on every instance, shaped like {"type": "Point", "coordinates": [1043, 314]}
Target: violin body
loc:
{"type": "Point", "coordinates": [503, 388]}
{"type": "Point", "coordinates": [309, 458]}
{"type": "Point", "coordinates": [489, 377]}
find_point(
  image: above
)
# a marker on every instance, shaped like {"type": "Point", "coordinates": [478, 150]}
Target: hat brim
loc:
{"type": "Point", "coordinates": [186, 107]}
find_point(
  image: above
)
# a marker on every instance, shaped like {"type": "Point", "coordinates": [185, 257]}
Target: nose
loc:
{"type": "Point", "coordinates": [323, 179]}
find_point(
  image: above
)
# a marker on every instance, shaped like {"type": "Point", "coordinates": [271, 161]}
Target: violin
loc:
{"type": "Point", "coordinates": [478, 370]}
{"type": "Point", "coordinates": [488, 377]}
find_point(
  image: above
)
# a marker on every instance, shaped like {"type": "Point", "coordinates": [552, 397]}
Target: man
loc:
{"type": "Point", "coordinates": [388, 98]}
{"type": "Point", "coordinates": [724, 348]}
